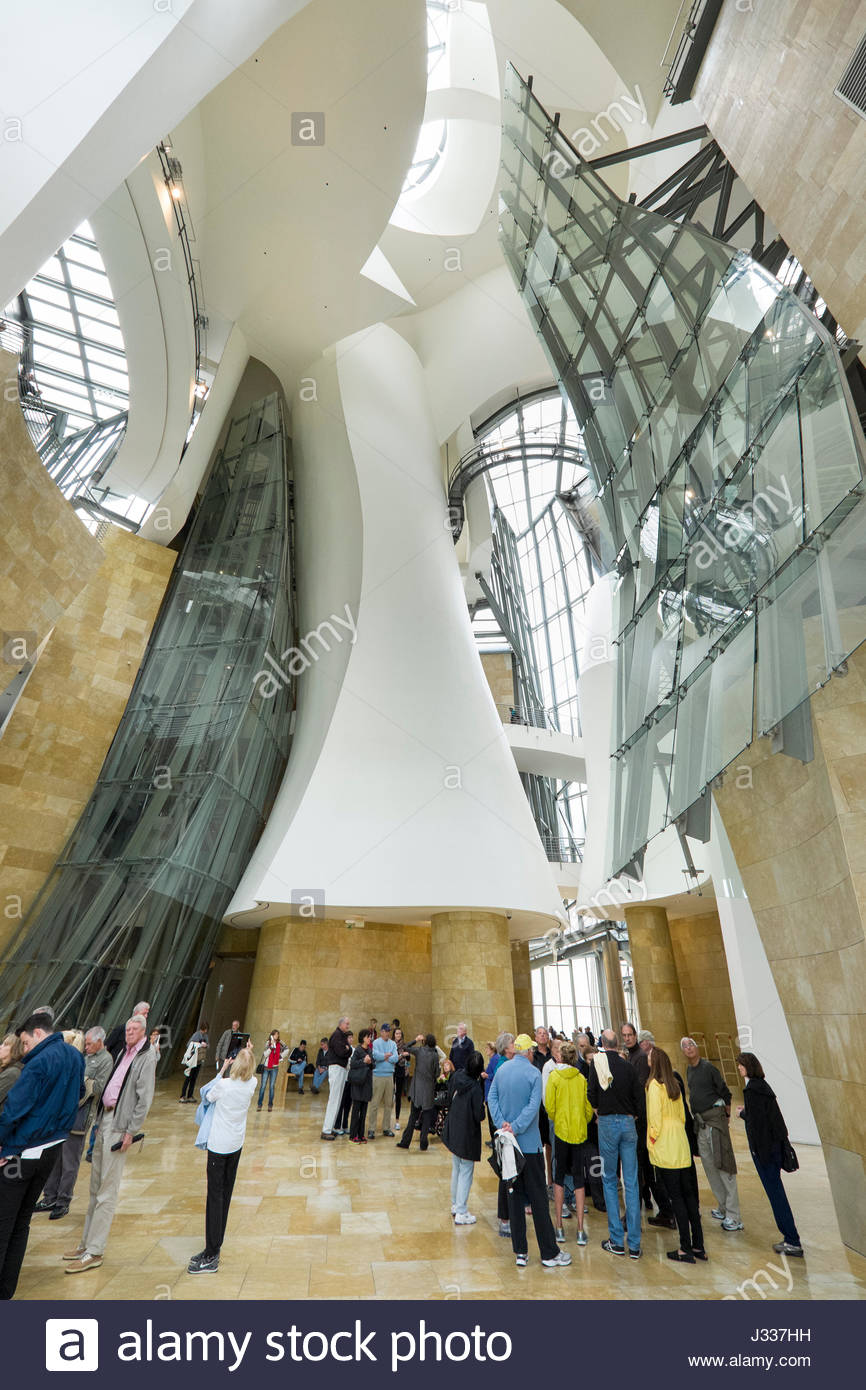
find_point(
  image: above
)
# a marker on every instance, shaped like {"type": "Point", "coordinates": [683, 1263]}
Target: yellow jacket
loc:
{"type": "Point", "coordinates": [667, 1141]}
{"type": "Point", "coordinates": [567, 1106]}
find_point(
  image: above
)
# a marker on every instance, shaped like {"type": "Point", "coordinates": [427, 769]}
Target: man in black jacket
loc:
{"type": "Point", "coordinates": [337, 1057]}
{"type": "Point", "coordinates": [614, 1091]}
{"type": "Point", "coordinates": [462, 1048]}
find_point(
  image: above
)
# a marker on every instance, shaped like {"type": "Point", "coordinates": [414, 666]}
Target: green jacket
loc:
{"type": "Point", "coordinates": [567, 1105]}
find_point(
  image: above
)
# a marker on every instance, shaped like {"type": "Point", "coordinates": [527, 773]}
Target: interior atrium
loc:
{"type": "Point", "coordinates": [433, 571]}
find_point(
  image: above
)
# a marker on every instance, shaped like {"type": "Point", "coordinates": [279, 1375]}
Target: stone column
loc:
{"type": "Point", "coordinates": [655, 976]}
{"type": "Point", "coordinates": [613, 985]}
{"type": "Point", "coordinates": [309, 974]}
{"type": "Point", "coordinates": [471, 976]}
{"type": "Point", "coordinates": [522, 973]}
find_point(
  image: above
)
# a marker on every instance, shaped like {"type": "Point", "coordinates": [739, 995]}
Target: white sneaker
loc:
{"type": "Point", "coordinates": [396, 1127]}
{"type": "Point", "coordinates": [453, 1209]}
{"type": "Point", "coordinates": [562, 1258]}
{"type": "Point", "coordinates": [464, 1218]}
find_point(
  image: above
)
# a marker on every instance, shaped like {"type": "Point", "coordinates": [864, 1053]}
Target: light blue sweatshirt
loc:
{"type": "Point", "coordinates": [385, 1056]}
{"type": "Point", "coordinates": [515, 1097]}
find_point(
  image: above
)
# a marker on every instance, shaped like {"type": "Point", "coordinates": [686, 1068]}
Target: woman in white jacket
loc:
{"type": "Point", "coordinates": [230, 1096]}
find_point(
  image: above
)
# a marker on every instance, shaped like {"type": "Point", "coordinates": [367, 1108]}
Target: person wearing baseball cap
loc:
{"type": "Point", "coordinates": [514, 1100]}
{"type": "Point", "coordinates": [385, 1058]}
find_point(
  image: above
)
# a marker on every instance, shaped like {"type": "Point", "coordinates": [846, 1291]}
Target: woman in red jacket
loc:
{"type": "Point", "coordinates": [271, 1058]}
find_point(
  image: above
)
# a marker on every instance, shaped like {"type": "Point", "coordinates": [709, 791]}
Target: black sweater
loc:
{"type": "Point", "coordinates": [623, 1095]}
{"type": "Point", "coordinates": [339, 1049]}
{"type": "Point", "coordinates": [360, 1076]}
{"type": "Point", "coordinates": [765, 1127]}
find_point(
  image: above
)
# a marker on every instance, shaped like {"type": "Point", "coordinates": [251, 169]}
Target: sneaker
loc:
{"type": "Point", "coordinates": [567, 1213]}
{"type": "Point", "coordinates": [42, 1205]}
{"type": "Point", "coordinates": [88, 1157]}
{"type": "Point", "coordinates": [362, 1140]}
{"type": "Point", "coordinates": [258, 1107]}
{"type": "Point", "coordinates": [301, 1091]}
{"type": "Point", "coordinates": [396, 1127]}
{"type": "Point", "coordinates": [667, 1221]}
{"type": "Point", "coordinates": [76, 1253]}
{"type": "Point", "coordinates": [323, 1135]}
{"type": "Point", "coordinates": [635, 1254]}
{"type": "Point", "coordinates": [371, 1134]}
{"type": "Point", "coordinates": [612, 1249]}
{"type": "Point", "coordinates": [550, 1192]}
{"type": "Point", "coordinates": [581, 1237]}
{"type": "Point", "coordinates": [464, 1218]}
{"type": "Point", "coordinates": [562, 1257]}
{"type": "Point", "coordinates": [505, 1229]}
{"type": "Point", "coordinates": [58, 1213]}
{"type": "Point", "coordinates": [521, 1261]}
{"type": "Point", "coordinates": [202, 1265]}
{"type": "Point", "coordinates": [559, 1233]}
{"type": "Point", "coordinates": [729, 1225]}
{"type": "Point", "coordinates": [83, 1262]}
{"type": "Point", "coordinates": [718, 1214]}
{"type": "Point", "coordinates": [388, 1133]}
{"type": "Point", "coordinates": [784, 1248]}
{"type": "Point", "coordinates": [453, 1209]}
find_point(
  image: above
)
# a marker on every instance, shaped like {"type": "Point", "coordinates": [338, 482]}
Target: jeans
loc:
{"type": "Point", "coordinates": [427, 1119]}
{"type": "Point", "coordinates": [21, 1181]}
{"type": "Point", "coordinates": [318, 1078]}
{"type": "Point", "coordinates": [358, 1120]}
{"type": "Point", "coordinates": [682, 1196]}
{"type": "Point", "coordinates": [336, 1083]}
{"type": "Point", "coordinates": [269, 1077]}
{"type": "Point", "coordinates": [530, 1187]}
{"type": "Point", "coordinates": [221, 1170]}
{"type": "Point", "coordinates": [617, 1142]}
{"type": "Point", "coordinates": [297, 1069]}
{"type": "Point", "coordinates": [771, 1177]}
{"type": "Point", "coordinates": [462, 1173]}
{"type": "Point", "coordinates": [188, 1088]}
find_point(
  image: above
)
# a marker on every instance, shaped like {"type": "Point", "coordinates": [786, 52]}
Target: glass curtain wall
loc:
{"type": "Point", "coordinates": [727, 462]}
{"type": "Point", "coordinates": [134, 905]}
{"type": "Point", "coordinates": [569, 995]}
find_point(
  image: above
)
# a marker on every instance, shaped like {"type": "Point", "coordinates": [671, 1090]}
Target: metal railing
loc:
{"type": "Point", "coordinates": [691, 49]}
{"type": "Point", "coordinates": [551, 721]}
{"type": "Point", "coordinates": [172, 173]}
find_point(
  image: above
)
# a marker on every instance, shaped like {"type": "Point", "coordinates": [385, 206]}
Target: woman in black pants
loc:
{"type": "Point", "coordinates": [423, 1089]}
{"type": "Point", "coordinates": [399, 1073]}
{"type": "Point", "coordinates": [341, 1123]}
{"type": "Point", "coordinates": [671, 1155]}
{"type": "Point", "coordinates": [360, 1083]}
{"type": "Point", "coordinates": [231, 1096]}
{"type": "Point", "coordinates": [767, 1133]}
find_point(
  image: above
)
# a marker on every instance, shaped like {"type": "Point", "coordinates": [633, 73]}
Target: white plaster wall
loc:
{"type": "Point", "coordinates": [366, 812]}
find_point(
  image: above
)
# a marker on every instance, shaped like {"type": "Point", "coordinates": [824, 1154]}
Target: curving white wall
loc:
{"type": "Point", "coordinates": [401, 796]}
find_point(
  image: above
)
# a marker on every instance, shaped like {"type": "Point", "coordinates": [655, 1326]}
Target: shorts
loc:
{"type": "Point", "coordinates": [570, 1159]}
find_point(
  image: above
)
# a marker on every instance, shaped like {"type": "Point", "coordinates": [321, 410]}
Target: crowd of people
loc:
{"type": "Point", "coordinates": [614, 1126]}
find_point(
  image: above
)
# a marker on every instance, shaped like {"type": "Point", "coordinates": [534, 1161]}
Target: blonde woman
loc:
{"type": "Point", "coordinates": [11, 1056]}
{"type": "Point", "coordinates": [75, 1038]}
{"type": "Point", "coordinates": [230, 1096]}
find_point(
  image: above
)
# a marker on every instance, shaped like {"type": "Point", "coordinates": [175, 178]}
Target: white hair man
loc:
{"type": "Point", "coordinates": [97, 1069]}
{"type": "Point", "coordinates": [462, 1048]}
{"type": "Point", "coordinates": [122, 1110]}
{"type": "Point", "coordinates": [710, 1101]}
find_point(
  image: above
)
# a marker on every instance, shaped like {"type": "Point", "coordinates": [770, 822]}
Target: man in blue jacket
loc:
{"type": "Point", "coordinates": [40, 1111]}
{"type": "Point", "coordinates": [514, 1101]}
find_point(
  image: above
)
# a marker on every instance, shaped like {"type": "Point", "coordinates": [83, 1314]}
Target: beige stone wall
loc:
{"type": "Point", "coordinates": [766, 92]}
{"type": "Point", "coordinates": [522, 974]}
{"type": "Point", "coordinates": [705, 987]}
{"type": "Point", "coordinates": [46, 554]}
{"type": "Point", "coordinates": [497, 669]}
{"type": "Point", "coordinates": [472, 979]}
{"type": "Point", "coordinates": [61, 729]}
{"type": "Point", "coordinates": [307, 974]}
{"type": "Point", "coordinates": [799, 835]}
{"type": "Point", "coordinates": [655, 976]}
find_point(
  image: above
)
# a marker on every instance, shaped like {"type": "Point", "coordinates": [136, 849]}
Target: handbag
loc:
{"type": "Point", "coordinates": [790, 1161]}
{"type": "Point", "coordinates": [260, 1069]}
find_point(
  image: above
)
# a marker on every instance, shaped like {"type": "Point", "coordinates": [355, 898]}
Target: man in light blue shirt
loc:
{"type": "Point", "coordinates": [514, 1101]}
{"type": "Point", "coordinates": [385, 1056]}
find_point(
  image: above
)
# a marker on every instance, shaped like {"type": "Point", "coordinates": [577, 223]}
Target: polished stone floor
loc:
{"type": "Point", "coordinates": [317, 1220]}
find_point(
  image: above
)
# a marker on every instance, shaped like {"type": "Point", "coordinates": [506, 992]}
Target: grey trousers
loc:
{"type": "Point", "coordinates": [58, 1188]}
{"type": "Point", "coordinates": [105, 1177]}
{"type": "Point", "coordinates": [724, 1185]}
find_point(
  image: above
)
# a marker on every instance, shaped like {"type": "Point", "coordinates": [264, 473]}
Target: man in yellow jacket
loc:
{"type": "Point", "coordinates": [569, 1112]}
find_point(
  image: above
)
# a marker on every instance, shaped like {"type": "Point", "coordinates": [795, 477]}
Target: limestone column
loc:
{"type": "Point", "coordinates": [655, 976]}
{"type": "Point", "coordinates": [471, 978]}
{"type": "Point", "coordinates": [522, 973]}
{"type": "Point", "coordinates": [613, 985]}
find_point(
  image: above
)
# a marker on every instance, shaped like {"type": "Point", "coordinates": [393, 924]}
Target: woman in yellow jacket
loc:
{"type": "Point", "coordinates": [569, 1113]}
{"type": "Point", "coordinates": [671, 1155]}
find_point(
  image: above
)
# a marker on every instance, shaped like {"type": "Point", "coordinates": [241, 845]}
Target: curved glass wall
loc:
{"type": "Point", "coordinates": [134, 905]}
{"type": "Point", "coordinates": [727, 461]}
